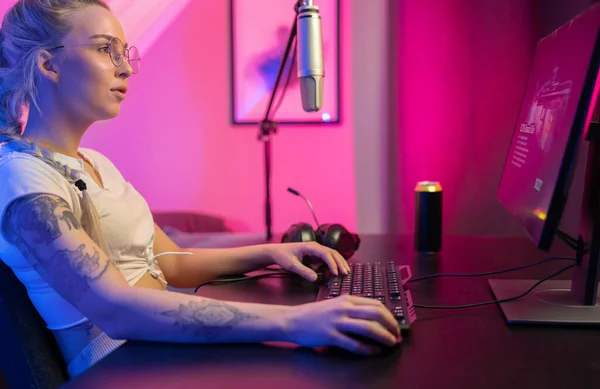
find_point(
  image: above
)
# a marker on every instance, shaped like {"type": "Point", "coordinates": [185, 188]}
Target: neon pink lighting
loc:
{"type": "Point", "coordinates": [145, 20]}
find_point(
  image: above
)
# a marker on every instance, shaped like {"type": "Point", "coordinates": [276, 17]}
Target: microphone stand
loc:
{"type": "Point", "coordinates": [269, 127]}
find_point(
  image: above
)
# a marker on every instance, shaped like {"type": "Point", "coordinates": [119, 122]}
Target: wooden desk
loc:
{"type": "Point", "coordinates": [471, 348]}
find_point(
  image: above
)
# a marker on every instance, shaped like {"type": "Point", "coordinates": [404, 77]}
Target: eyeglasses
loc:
{"type": "Point", "coordinates": [118, 53]}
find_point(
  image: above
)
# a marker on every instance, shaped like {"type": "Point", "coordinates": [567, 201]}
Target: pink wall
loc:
{"type": "Point", "coordinates": [458, 70]}
{"type": "Point", "coordinates": [174, 142]}
{"type": "Point", "coordinates": [462, 68]}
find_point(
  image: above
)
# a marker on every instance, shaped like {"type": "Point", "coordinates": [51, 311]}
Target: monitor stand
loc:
{"type": "Point", "coordinates": [567, 302]}
{"type": "Point", "coordinates": [552, 302]}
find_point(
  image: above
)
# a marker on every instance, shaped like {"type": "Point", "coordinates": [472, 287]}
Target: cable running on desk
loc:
{"type": "Point", "coordinates": [496, 301]}
{"type": "Point", "coordinates": [244, 278]}
{"type": "Point", "coordinates": [491, 272]}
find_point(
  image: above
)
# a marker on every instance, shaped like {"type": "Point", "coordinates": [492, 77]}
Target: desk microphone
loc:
{"type": "Point", "coordinates": [292, 191]}
{"type": "Point", "coordinates": [310, 56]}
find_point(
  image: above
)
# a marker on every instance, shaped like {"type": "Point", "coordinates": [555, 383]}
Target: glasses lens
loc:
{"type": "Point", "coordinates": [134, 59]}
{"type": "Point", "coordinates": [116, 51]}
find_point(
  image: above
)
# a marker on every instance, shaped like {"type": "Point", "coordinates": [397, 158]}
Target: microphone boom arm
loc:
{"type": "Point", "coordinates": [269, 127]}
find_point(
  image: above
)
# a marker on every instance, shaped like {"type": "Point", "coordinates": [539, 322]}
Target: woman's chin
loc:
{"type": "Point", "coordinates": [111, 113]}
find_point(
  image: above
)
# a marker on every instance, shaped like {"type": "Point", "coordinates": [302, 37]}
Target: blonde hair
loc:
{"type": "Point", "coordinates": [27, 28]}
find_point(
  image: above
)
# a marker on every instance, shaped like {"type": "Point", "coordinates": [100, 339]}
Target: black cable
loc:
{"type": "Point", "coordinates": [287, 82]}
{"type": "Point", "coordinates": [245, 278]}
{"type": "Point", "coordinates": [567, 238]}
{"type": "Point", "coordinates": [496, 301]}
{"type": "Point", "coordinates": [572, 242]}
{"type": "Point", "coordinates": [491, 272]}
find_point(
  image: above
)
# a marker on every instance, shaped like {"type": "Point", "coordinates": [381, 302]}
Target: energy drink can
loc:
{"type": "Point", "coordinates": [428, 217]}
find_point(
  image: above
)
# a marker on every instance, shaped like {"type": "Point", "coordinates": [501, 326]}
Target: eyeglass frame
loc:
{"type": "Point", "coordinates": [125, 51]}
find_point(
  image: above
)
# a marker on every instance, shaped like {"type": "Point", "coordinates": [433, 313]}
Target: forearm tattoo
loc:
{"type": "Point", "coordinates": [208, 318]}
{"type": "Point", "coordinates": [33, 223]}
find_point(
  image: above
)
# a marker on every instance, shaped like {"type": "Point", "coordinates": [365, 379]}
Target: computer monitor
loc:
{"type": "Point", "coordinates": [554, 122]}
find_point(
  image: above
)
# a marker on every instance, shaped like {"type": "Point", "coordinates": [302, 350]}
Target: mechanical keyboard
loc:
{"type": "Point", "coordinates": [377, 280]}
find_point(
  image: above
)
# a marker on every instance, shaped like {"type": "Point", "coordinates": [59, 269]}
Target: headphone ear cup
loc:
{"type": "Point", "coordinates": [301, 232]}
{"type": "Point", "coordinates": [335, 236]}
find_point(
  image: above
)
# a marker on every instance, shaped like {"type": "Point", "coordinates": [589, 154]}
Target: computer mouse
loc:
{"type": "Point", "coordinates": [366, 340]}
{"type": "Point", "coordinates": [369, 341]}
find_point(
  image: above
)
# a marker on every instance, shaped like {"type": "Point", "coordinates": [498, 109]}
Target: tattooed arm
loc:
{"type": "Point", "coordinates": [49, 236]}
{"type": "Point", "coordinates": [45, 230]}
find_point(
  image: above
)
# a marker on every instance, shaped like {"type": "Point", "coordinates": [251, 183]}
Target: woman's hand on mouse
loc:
{"type": "Point", "coordinates": [340, 321]}
{"type": "Point", "coordinates": [295, 256]}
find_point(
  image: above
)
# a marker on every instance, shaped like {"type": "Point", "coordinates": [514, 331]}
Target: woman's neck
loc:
{"type": "Point", "coordinates": [55, 133]}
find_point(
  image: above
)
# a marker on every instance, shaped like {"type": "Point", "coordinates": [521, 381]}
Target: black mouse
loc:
{"type": "Point", "coordinates": [366, 340]}
{"type": "Point", "coordinates": [369, 341]}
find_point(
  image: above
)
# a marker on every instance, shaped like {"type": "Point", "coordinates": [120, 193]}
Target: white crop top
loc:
{"type": "Point", "coordinates": [126, 220]}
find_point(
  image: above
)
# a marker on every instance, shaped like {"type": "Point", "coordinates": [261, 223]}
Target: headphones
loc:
{"type": "Point", "coordinates": [334, 235]}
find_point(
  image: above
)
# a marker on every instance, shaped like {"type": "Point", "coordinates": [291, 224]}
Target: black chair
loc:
{"type": "Point", "coordinates": [29, 354]}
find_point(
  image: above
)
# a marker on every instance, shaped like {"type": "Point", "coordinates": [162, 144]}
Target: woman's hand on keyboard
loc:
{"type": "Point", "coordinates": [294, 257]}
{"type": "Point", "coordinates": [357, 324]}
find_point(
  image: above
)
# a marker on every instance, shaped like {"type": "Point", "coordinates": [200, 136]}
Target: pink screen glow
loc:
{"type": "Point", "coordinates": [546, 120]}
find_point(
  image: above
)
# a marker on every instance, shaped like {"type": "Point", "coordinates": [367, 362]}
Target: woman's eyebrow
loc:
{"type": "Point", "coordinates": [105, 36]}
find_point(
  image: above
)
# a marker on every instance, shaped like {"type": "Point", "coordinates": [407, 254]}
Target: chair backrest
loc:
{"type": "Point", "coordinates": [29, 354]}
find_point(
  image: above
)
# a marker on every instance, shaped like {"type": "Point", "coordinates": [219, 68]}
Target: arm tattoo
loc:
{"type": "Point", "coordinates": [35, 215]}
{"type": "Point", "coordinates": [208, 318]}
{"type": "Point", "coordinates": [69, 218]}
{"type": "Point", "coordinates": [32, 224]}
{"type": "Point", "coordinates": [86, 266]}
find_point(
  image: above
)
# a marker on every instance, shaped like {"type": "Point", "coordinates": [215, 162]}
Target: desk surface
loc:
{"type": "Point", "coordinates": [471, 348]}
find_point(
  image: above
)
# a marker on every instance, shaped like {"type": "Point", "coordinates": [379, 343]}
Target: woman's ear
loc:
{"type": "Point", "coordinates": [47, 65]}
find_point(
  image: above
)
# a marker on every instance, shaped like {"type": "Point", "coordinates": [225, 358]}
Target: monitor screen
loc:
{"type": "Point", "coordinates": [553, 115]}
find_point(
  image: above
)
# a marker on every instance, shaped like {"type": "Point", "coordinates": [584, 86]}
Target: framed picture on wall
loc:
{"type": "Point", "coordinates": [260, 30]}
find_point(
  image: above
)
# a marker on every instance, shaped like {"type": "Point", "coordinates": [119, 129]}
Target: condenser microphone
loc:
{"type": "Point", "coordinates": [310, 56]}
{"type": "Point", "coordinates": [292, 191]}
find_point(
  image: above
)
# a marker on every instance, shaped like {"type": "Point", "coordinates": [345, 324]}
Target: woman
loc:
{"type": "Point", "coordinates": [82, 239]}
